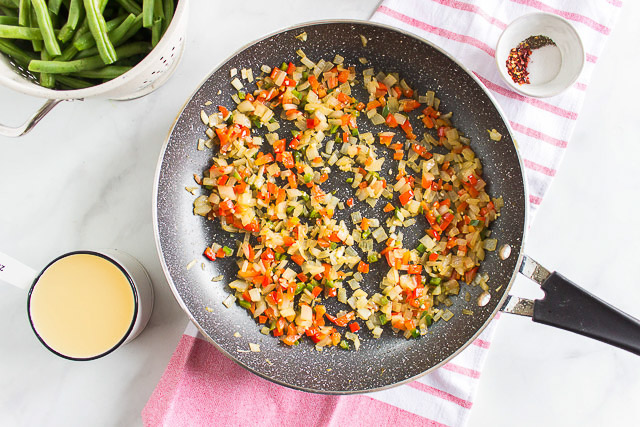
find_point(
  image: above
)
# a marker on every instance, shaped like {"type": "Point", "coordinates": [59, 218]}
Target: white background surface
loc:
{"type": "Point", "coordinates": [83, 179]}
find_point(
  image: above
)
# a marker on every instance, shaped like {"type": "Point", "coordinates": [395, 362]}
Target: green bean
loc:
{"type": "Point", "coordinates": [9, 20]}
{"type": "Point", "coordinates": [98, 28]}
{"type": "Point", "coordinates": [33, 22]}
{"type": "Point", "coordinates": [92, 51]}
{"type": "Point", "coordinates": [118, 33]}
{"type": "Point", "coordinates": [169, 9]}
{"type": "Point", "coordinates": [76, 10]}
{"type": "Point", "coordinates": [130, 6]}
{"type": "Point", "coordinates": [91, 63]}
{"type": "Point", "coordinates": [156, 32]}
{"type": "Point", "coordinates": [84, 27]}
{"type": "Point", "coordinates": [10, 4]}
{"type": "Point", "coordinates": [158, 10]}
{"type": "Point", "coordinates": [148, 7]}
{"type": "Point", "coordinates": [87, 40]}
{"type": "Point", "coordinates": [20, 56]}
{"type": "Point", "coordinates": [46, 79]}
{"type": "Point", "coordinates": [44, 22]}
{"type": "Point", "coordinates": [108, 72]}
{"type": "Point", "coordinates": [137, 25]}
{"type": "Point", "coordinates": [24, 15]}
{"type": "Point", "coordinates": [158, 17]}
{"type": "Point", "coordinates": [68, 53]}
{"type": "Point", "coordinates": [21, 33]}
{"type": "Point", "coordinates": [54, 6]}
{"type": "Point", "coordinates": [73, 83]}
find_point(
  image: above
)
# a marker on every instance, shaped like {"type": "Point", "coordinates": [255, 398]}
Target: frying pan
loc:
{"type": "Point", "coordinates": [391, 359]}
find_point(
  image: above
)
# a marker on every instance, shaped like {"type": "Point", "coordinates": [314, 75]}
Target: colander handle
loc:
{"type": "Point", "coordinates": [31, 122]}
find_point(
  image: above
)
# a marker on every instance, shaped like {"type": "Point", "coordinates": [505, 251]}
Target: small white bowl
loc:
{"type": "Point", "coordinates": [552, 69]}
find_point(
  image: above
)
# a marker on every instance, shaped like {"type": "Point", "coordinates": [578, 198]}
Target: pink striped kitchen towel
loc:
{"type": "Point", "coordinates": [202, 387]}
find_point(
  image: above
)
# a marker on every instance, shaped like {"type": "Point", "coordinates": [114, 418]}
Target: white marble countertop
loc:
{"type": "Point", "coordinates": [83, 179]}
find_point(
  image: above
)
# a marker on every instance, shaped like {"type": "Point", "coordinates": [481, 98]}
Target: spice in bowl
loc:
{"type": "Point", "coordinates": [521, 56]}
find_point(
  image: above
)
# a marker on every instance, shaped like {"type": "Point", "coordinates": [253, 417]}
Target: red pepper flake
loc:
{"type": "Point", "coordinates": [517, 63]}
{"type": "Point", "coordinates": [519, 56]}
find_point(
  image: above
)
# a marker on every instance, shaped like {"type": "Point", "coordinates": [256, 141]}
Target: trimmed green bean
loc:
{"type": "Point", "coordinates": [46, 27]}
{"type": "Point", "coordinates": [87, 40]}
{"type": "Point", "coordinates": [109, 72]}
{"type": "Point", "coordinates": [98, 27]}
{"type": "Point", "coordinates": [158, 10]}
{"type": "Point", "coordinates": [91, 63]}
{"type": "Point", "coordinates": [169, 9]}
{"type": "Point", "coordinates": [73, 83]}
{"type": "Point", "coordinates": [24, 16]}
{"type": "Point", "coordinates": [54, 6]}
{"type": "Point", "coordinates": [9, 20]}
{"type": "Point", "coordinates": [158, 17]}
{"type": "Point", "coordinates": [76, 12]}
{"type": "Point", "coordinates": [92, 51]}
{"type": "Point", "coordinates": [23, 58]}
{"type": "Point", "coordinates": [130, 6]}
{"type": "Point", "coordinates": [20, 33]}
{"type": "Point", "coordinates": [33, 22]}
{"type": "Point", "coordinates": [156, 32]}
{"type": "Point", "coordinates": [84, 27]}
{"type": "Point", "coordinates": [118, 33]}
{"type": "Point", "coordinates": [137, 25]}
{"type": "Point", "coordinates": [147, 13]}
{"type": "Point", "coordinates": [68, 54]}
{"type": "Point", "coordinates": [46, 79]}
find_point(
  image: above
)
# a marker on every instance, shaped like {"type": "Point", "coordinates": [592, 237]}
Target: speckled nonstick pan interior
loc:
{"type": "Point", "coordinates": [182, 236]}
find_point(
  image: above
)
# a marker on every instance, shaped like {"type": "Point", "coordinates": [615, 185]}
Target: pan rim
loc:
{"type": "Point", "coordinates": [167, 273]}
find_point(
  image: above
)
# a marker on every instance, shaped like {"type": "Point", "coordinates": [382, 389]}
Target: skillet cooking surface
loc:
{"type": "Point", "coordinates": [182, 236]}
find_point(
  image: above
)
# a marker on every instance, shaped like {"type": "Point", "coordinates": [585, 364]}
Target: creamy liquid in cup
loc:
{"type": "Point", "coordinates": [82, 305]}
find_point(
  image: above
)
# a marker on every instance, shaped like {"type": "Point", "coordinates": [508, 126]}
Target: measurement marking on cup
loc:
{"type": "Point", "coordinates": [1, 267]}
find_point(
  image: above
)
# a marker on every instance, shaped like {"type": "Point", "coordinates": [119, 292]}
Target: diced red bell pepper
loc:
{"type": "Point", "coordinates": [208, 252]}
{"type": "Point", "coordinates": [446, 220]}
{"type": "Point", "coordinates": [414, 269]}
{"type": "Point", "coordinates": [279, 146]}
{"type": "Point", "coordinates": [268, 255]}
{"type": "Point", "coordinates": [291, 339]}
{"type": "Point", "coordinates": [391, 121]}
{"type": "Point", "coordinates": [354, 327]}
{"type": "Point", "coordinates": [287, 160]}
{"type": "Point", "coordinates": [406, 197]}
{"type": "Point", "coordinates": [343, 76]}
{"type": "Point", "coordinates": [342, 320]}
{"type": "Point", "coordinates": [363, 267]}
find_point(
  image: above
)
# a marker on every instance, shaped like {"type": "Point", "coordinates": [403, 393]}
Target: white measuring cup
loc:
{"type": "Point", "coordinates": [133, 274]}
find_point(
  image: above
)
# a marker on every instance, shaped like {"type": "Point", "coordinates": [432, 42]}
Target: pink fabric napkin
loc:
{"type": "Point", "coordinates": [203, 387]}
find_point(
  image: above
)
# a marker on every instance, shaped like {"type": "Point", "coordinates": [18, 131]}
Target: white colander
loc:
{"type": "Point", "coordinates": [151, 73]}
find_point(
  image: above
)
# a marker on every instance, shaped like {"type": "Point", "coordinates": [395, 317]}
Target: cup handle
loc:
{"type": "Point", "coordinates": [15, 273]}
{"type": "Point", "coordinates": [31, 122]}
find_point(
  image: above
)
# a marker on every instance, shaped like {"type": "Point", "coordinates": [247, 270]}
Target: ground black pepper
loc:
{"type": "Point", "coordinates": [519, 56]}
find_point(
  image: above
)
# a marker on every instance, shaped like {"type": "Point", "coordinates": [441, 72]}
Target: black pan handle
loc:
{"type": "Point", "coordinates": [568, 306]}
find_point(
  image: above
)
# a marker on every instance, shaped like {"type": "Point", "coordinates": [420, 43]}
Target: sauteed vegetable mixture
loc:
{"type": "Point", "coordinates": [295, 254]}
